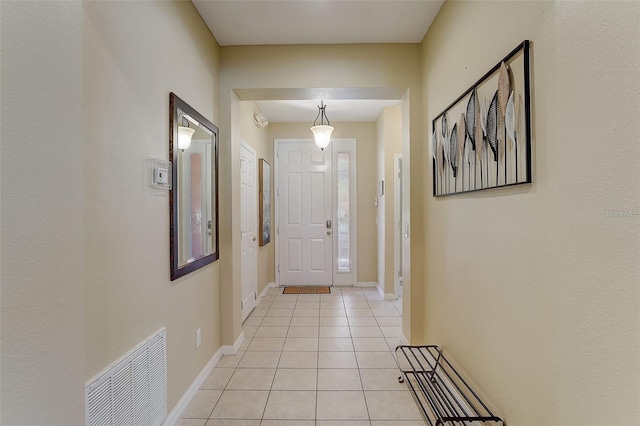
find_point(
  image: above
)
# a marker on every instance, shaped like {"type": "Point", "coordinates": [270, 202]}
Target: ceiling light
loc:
{"type": "Point", "coordinates": [260, 119]}
{"type": "Point", "coordinates": [322, 132]}
{"type": "Point", "coordinates": [185, 133]}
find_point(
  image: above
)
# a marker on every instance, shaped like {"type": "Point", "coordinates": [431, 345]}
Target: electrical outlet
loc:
{"type": "Point", "coordinates": [198, 338]}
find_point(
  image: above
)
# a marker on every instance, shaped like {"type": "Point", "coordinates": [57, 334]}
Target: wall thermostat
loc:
{"type": "Point", "coordinates": [160, 173]}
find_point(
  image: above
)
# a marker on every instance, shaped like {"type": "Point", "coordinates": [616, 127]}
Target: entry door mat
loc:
{"type": "Point", "coordinates": [307, 290]}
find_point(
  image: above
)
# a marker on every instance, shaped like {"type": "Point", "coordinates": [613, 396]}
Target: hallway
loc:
{"type": "Point", "coordinates": [311, 360]}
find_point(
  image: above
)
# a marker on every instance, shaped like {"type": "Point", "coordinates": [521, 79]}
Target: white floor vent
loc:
{"type": "Point", "coordinates": [133, 391]}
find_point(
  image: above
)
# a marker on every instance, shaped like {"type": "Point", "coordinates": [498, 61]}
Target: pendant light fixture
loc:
{"type": "Point", "coordinates": [185, 133]}
{"type": "Point", "coordinates": [322, 132]}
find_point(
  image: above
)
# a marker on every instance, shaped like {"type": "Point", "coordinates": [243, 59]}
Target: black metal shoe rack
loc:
{"type": "Point", "coordinates": [441, 393]}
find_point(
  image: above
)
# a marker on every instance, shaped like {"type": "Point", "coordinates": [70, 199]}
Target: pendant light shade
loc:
{"type": "Point", "coordinates": [322, 132]}
{"type": "Point", "coordinates": [184, 137]}
{"type": "Point", "coordinates": [322, 135]}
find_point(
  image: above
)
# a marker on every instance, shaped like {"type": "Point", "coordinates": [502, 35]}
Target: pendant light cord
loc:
{"type": "Point", "coordinates": [322, 114]}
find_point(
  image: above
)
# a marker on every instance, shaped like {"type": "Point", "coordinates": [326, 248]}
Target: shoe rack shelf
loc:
{"type": "Point", "coordinates": [441, 393]}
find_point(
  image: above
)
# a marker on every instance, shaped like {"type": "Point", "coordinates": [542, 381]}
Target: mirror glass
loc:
{"type": "Point", "coordinates": [194, 193]}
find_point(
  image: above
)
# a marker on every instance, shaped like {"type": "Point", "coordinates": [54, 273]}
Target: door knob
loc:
{"type": "Point", "coordinates": [254, 238]}
{"type": "Point", "coordinates": [328, 232]}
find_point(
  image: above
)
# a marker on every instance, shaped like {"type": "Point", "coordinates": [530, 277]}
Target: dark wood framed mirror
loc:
{"type": "Point", "coordinates": [193, 201]}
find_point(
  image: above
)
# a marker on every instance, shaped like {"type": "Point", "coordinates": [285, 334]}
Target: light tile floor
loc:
{"type": "Point", "coordinates": [311, 360]}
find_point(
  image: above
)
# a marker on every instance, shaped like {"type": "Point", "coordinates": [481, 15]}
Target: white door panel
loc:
{"type": "Point", "coordinates": [248, 225]}
{"type": "Point", "coordinates": [304, 205]}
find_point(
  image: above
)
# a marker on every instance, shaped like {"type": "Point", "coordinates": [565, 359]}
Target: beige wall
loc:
{"type": "Point", "coordinates": [365, 135]}
{"type": "Point", "coordinates": [128, 293]}
{"type": "Point", "coordinates": [42, 306]}
{"type": "Point", "coordinates": [295, 67]}
{"type": "Point", "coordinates": [259, 140]}
{"type": "Point", "coordinates": [389, 143]}
{"type": "Point", "coordinates": [533, 290]}
{"type": "Point", "coordinates": [85, 240]}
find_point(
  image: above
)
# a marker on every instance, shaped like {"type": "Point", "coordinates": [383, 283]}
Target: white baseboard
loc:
{"type": "Point", "coordinates": [386, 296]}
{"type": "Point", "coordinates": [366, 284]}
{"type": "Point", "coordinates": [266, 289]}
{"type": "Point", "coordinates": [177, 411]}
{"type": "Point", "coordinates": [233, 349]}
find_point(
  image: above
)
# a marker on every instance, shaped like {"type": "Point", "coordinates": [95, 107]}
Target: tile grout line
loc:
{"type": "Point", "coordinates": [266, 403]}
{"type": "Point", "coordinates": [315, 416]}
{"type": "Point", "coordinates": [225, 387]}
{"type": "Point", "coordinates": [355, 355]}
{"type": "Point", "coordinates": [349, 324]}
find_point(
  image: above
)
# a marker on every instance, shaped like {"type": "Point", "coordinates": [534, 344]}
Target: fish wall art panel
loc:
{"type": "Point", "coordinates": [483, 139]}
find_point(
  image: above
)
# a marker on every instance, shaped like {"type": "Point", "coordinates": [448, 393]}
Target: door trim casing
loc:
{"type": "Point", "coordinates": [397, 223]}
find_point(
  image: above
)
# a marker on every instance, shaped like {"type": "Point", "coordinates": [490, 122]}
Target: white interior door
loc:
{"type": "Point", "coordinates": [305, 214]}
{"type": "Point", "coordinates": [249, 221]}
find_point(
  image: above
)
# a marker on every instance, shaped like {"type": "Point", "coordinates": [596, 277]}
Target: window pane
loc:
{"type": "Point", "coordinates": [343, 212]}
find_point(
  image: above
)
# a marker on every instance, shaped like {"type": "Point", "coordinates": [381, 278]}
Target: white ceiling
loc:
{"type": "Point", "coordinates": [305, 111]}
{"type": "Point", "coordinates": [239, 22]}
{"type": "Point", "coordinates": [265, 22]}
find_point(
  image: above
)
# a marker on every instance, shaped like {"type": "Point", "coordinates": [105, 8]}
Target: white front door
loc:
{"type": "Point", "coordinates": [248, 224]}
{"type": "Point", "coordinates": [304, 202]}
